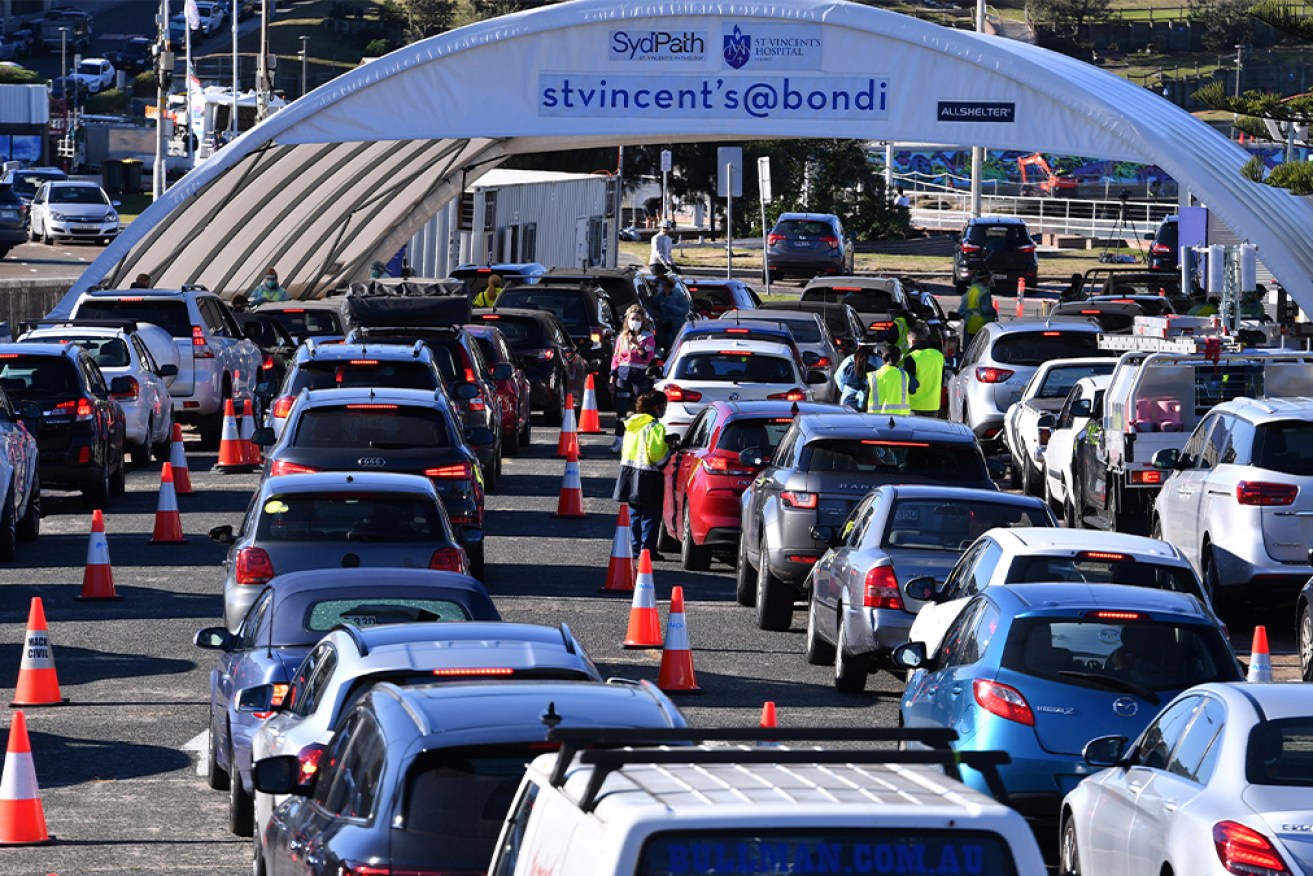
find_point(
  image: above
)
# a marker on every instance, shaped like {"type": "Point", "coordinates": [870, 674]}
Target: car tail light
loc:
{"type": "Point", "coordinates": [881, 589]}
{"type": "Point", "coordinates": [1029, 247]}
{"type": "Point", "coordinates": [1160, 249]}
{"type": "Point", "coordinates": [724, 465]}
{"type": "Point", "coordinates": [774, 239]}
{"type": "Point", "coordinates": [990, 374]}
{"type": "Point", "coordinates": [477, 404]}
{"type": "Point", "coordinates": [279, 694]}
{"type": "Point", "coordinates": [1103, 555]}
{"type": "Point", "coordinates": [595, 335]}
{"type": "Point", "coordinates": [1264, 493]}
{"type": "Point", "coordinates": [832, 242]}
{"type": "Point", "coordinates": [308, 758]}
{"type": "Point", "coordinates": [1051, 334]}
{"type": "Point", "coordinates": [1246, 852]}
{"type": "Point", "coordinates": [801, 500]}
{"type": "Point", "coordinates": [354, 868]}
{"type": "Point", "coordinates": [794, 394]}
{"type": "Point", "coordinates": [1091, 312]}
{"type": "Point", "coordinates": [77, 408]}
{"type": "Point", "coordinates": [362, 362]}
{"type": "Point", "coordinates": [200, 348]}
{"type": "Point", "coordinates": [283, 467]}
{"type": "Point", "coordinates": [131, 394]}
{"type": "Point", "coordinates": [477, 671]}
{"type": "Point", "coordinates": [679, 394]}
{"type": "Point", "coordinates": [728, 331]}
{"type": "Point", "coordinates": [450, 472]}
{"type": "Point", "coordinates": [268, 363]}
{"type": "Point", "coordinates": [546, 355]}
{"type": "Point", "coordinates": [1004, 701]}
{"type": "Point", "coordinates": [283, 407]}
{"type": "Point", "coordinates": [822, 362]}
{"type": "Point", "coordinates": [448, 559]}
{"type": "Point", "coordinates": [254, 566]}
{"type": "Point", "coordinates": [1147, 476]}
{"type": "Point", "coordinates": [969, 247]}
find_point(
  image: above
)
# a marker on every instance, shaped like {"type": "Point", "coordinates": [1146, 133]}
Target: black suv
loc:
{"type": "Point", "coordinates": [544, 350]}
{"type": "Point", "coordinates": [584, 311]}
{"type": "Point", "coordinates": [13, 220]}
{"type": "Point", "coordinates": [1162, 252]}
{"type": "Point", "coordinates": [1000, 245]}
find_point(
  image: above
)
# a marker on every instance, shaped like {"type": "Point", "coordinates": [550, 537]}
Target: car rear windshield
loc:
{"type": "Point", "coordinates": [448, 354]}
{"type": "Point", "coordinates": [571, 308]}
{"type": "Point", "coordinates": [1285, 447]}
{"type": "Point", "coordinates": [522, 333]}
{"type": "Point", "coordinates": [734, 366]}
{"type": "Point", "coordinates": [1167, 234]}
{"type": "Point", "coordinates": [1059, 381]}
{"type": "Point", "coordinates": [168, 315]}
{"type": "Point", "coordinates": [38, 377]}
{"type": "Point", "coordinates": [803, 228]}
{"type": "Point", "coordinates": [952, 525]}
{"type": "Point", "coordinates": [1103, 567]}
{"type": "Point", "coordinates": [915, 460]}
{"type": "Point", "coordinates": [1150, 304]}
{"type": "Point", "coordinates": [1100, 649]}
{"type": "Point", "coordinates": [390, 374]}
{"type": "Point", "coordinates": [861, 300]}
{"type": "Point", "coordinates": [1281, 752]}
{"type": "Point", "coordinates": [350, 516]}
{"type": "Point", "coordinates": [1012, 234]}
{"type": "Point", "coordinates": [713, 294]}
{"type": "Point", "coordinates": [308, 322]}
{"type": "Point", "coordinates": [1143, 284]}
{"type": "Point", "coordinates": [804, 331]}
{"type": "Point", "coordinates": [373, 611]}
{"type": "Point", "coordinates": [382, 426]}
{"type": "Point", "coordinates": [764, 433]}
{"type": "Point", "coordinates": [869, 850]}
{"type": "Point", "coordinates": [1036, 348]}
{"type": "Point", "coordinates": [105, 352]}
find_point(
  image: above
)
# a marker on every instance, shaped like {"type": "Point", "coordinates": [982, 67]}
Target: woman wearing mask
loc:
{"type": "Point", "coordinates": [635, 348]}
{"type": "Point", "coordinates": [268, 290]}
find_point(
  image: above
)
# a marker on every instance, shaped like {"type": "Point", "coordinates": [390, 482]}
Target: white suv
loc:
{"type": "Point", "coordinates": [216, 362]}
{"type": "Point", "coordinates": [1239, 499]}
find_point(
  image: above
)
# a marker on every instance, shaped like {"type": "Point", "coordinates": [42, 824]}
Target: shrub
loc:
{"type": "Point", "coordinates": [114, 100]}
{"type": "Point", "coordinates": [378, 47]}
{"type": "Point", "coordinates": [144, 84]}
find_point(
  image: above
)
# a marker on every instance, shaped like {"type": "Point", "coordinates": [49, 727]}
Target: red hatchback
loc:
{"type": "Point", "coordinates": [512, 390]}
{"type": "Point", "coordinates": [705, 479]}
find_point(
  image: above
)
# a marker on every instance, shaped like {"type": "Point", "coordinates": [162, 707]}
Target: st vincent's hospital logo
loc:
{"type": "Point", "coordinates": [738, 48]}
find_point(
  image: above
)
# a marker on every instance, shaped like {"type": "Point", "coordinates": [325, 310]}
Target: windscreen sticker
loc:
{"type": "Point", "coordinates": [276, 506]}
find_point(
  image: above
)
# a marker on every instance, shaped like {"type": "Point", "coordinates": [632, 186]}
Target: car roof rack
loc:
{"type": "Point", "coordinates": [193, 287]}
{"type": "Point", "coordinates": [585, 741]}
{"type": "Point", "coordinates": [127, 325]}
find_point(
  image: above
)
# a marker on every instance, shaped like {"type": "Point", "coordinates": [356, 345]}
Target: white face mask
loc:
{"type": "Point", "coordinates": [635, 324]}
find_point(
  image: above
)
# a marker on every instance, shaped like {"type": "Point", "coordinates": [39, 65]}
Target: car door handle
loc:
{"type": "Point", "coordinates": [1137, 787]}
{"type": "Point", "coordinates": [1218, 493]}
{"type": "Point", "coordinates": [1169, 805]}
{"type": "Point", "coordinates": [955, 690]}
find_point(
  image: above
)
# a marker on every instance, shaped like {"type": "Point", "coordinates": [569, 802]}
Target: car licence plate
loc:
{"type": "Point", "coordinates": [1000, 276]}
{"type": "Point", "coordinates": [8, 214]}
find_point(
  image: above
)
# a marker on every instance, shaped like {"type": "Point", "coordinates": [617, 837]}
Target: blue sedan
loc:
{"type": "Point", "coordinates": [1038, 670]}
{"type": "Point", "coordinates": [290, 615]}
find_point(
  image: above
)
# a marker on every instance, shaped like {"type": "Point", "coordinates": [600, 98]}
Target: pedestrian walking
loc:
{"type": "Point", "coordinates": [635, 349]}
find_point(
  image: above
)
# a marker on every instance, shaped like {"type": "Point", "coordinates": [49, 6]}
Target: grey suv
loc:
{"type": "Point", "coordinates": [808, 245]}
{"type": "Point", "coordinates": [999, 244]}
{"type": "Point", "coordinates": [822, 468]}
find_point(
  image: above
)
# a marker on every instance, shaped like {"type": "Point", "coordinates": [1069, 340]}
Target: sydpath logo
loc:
{"type": "Point", "coordinates": [658, 45]}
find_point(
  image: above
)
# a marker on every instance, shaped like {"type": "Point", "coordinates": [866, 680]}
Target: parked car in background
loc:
{"type": "Point", "coordinates": [1001, 245]}
{"type": "Point", "coordinates": [857, 613]}
{"type": "Point", "coordinates": [315, 318]}
{"type": "Point", "coordinates": [25, 180]}
{"type": "Point", "coordinates": [96, 73]}
{"type": "Point", "coordinates": [136, 56]}
{"type": "Point", "coordinates": [70, 89]}
{"type": "Point", "coordinates": [544, 350]}
{"type": "Point", "coordinates": [74, 211]}
{"type": "Point", "coordinates": [512, 386]}
{"type": "Point", "coordinates": [1028, 423]}
{"type": "Point", "coordinates": [808, 245]}
{"type": "Point", "coordinates": [1084, 404]}
{"type": "Point", "coordinates": [714, 296]}
{"type": "Point", "coordinates": [1163, 255]}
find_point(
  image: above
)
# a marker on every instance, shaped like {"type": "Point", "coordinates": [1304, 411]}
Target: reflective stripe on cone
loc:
{"type": "Point", "coordinates": [22, 820]}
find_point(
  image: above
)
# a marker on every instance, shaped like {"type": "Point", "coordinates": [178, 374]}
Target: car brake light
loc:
{"type": "Point", "coordinates": [1246, 852]}
{"type": "Point", "coordinates": [1091, 312]}
{"type": "Point", "coordinates": [283, 467]}
{"type": "Point", "coordinates": [475, 671]}
{"type": "Point", "coordinates": [8, 355]}
{"type": "Point", "coordinates": [801, 500]}
{"type": "Point", "coordinates": [1147, 476]}
{"type": "Point", "coordinates": [448, 559]}
{"type": "Point", "coordinates": [283, 407]}
{"type": "Point", "coordinates": [469, 375]}
{"type": "Point", "coordinates": [546, 355]}
{"type": "Point", "coordinates": [276, 699]}
{"type": "Point", "coordinates": [1116, 615]}
{"type": "Point", "coordinates": [445, 472]}
{"type": "Point", "coordinates": [1160, 249]}
{"type": "Point", "coordinates": [1103, 555]}
{"type": "Point", "coordinates": [477, 404]}
{"type": "Point", "coordinates": [823, 362]}
{"type": "Point", "coordinates": [794, 394]}
{"type": "Point", "coordinates": [1004, 701]}
{"type": "Point", "coordinates": [308, 757]}
{"type": "Point", "coordinates": [77, 408]}
{"type": "Point", "coordinates": [1026, 248]}
{"type": "Point", "coordinates": [254, 566]}
{"type": "Point", "coordinates": [969, 247]}
{"type": "Point", "coordinates": [268, 363]}
{"type": "Point", "coordinates": [724, 465]}
{"type": "Point", "coordinates": [362, 362]}
{"type": "Point", "coordinates": [1264, 493]}
{"type": "Point", "coordinates": [990, 374]}
{"type": "Point", "coordinates": [200, 348]}
{"type": "Point", "coordinates": [881, 589]}
{"type": "Point", "coordinates": [879, 443]}
{"type": "Point", "coordinates": [371, 407]}
{"type": "Point", "coordinates": [733, 352]}
{"type": "Point", "coordinates": [595, 336]}
{"type": "Point", "coordinates": [679, 394]}
{"type": "Point", "coordinates": [832, 242]}
{"type": "Point", "coordinates": [881, 326]}
{"type": "Point", "coordinates": [1051, 334]}
{"type": "Point", "coordinates": [354, 868]}
{"type": "Point", "coordinates": [774, 239]}
{"type": "Point", "coordinates": [131, 394]}
{"type": "Point", "coordinates": [729, 331]}
{"type": "Point", "coordinates": [293, 310]}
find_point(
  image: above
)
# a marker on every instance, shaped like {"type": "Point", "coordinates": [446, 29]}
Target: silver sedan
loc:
{"type": "Point", "coordinates": [858, 612]}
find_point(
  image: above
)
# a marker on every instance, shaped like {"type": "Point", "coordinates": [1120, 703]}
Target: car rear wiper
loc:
{"type": "Point", "coordinates": [1112, 683]}
{"type": "Point", "coordinates": [390, 445]}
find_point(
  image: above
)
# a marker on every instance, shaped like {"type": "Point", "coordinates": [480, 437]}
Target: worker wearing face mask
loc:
{"type": "Point", "coordinates": [635, 348]}
{"type": "Point", "coordinates": [268, 290]}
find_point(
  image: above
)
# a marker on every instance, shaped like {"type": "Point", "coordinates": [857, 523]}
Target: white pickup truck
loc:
{"type": "Point", "coordinates": [1028, 423]}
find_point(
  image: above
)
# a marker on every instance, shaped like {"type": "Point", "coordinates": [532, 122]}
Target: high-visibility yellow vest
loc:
{"type": "Point", "coordinates": [974, 313]}
{"type": "Point", "coordinates": [887, 391]}
{"type": "Point", "coordinates": [930, 380]}
{"type": "Point", "coordinates": [900, 324]}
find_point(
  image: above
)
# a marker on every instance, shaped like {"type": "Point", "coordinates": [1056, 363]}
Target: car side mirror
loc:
{"type": "Point", "coordinates": [278, 775]}
{"type": "Point", "coordinates": [827, 534]}
{"type": "Point", "coordinates": [816, 377]}
{"type": "Point", "coordinates": [953, 314]}
{"type": "Point", "coordinates": [1105, 751]}
{"type": "Point", "coordinates": [264, 437]}
{"type": "Point", "coordinates": [674, 441]}
{"type": "Point", "coordinates": [265, 389]}
{"type": "Point", "coordinates": [923, 588]}
{"type": "Point", "coordinates": [502, 371]}
{"type": "Point", "coordinates": [654, 370]}
{"type": "Point", "coordinates": [256, 699]}
{"type": "Point", "coordinates": [168, 369]}
{"type": "Point", "coordinates": [1082, 408]}
{"type": "Point", "coordinates": [810, 358]}
{"type": "Point", "coordinates": [479, 436]}
{"type": "Point", "coordinates": [752, 458]}
{"type": "Point", "coordinates": [1166, 459]}
{"type": "Point", "coordinates": [466, 391]}
{"type": "Point", "coordinates": [1046, 421]}
{"type": "Point", "coordinates": [910, 655]}
{"type": "Point", "coordinates": [214, 639]}
{"type": "Point", "coordinates": [223, 534]}
{"type": "Point", "coordinates": [123, 385]}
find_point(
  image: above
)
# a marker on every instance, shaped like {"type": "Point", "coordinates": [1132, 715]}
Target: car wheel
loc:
{"type": "Point", "coordinates": [774, 601]}
{"type": "Point", "coordinates": [510, 444]}
{"type": "Point", "coordinates": [1212, 577]}
{"type": "Point", "coordinates": [1014, 473]}
{"type": "Point", "coordinates": [31, 233]}
{"type": "Point", "coordinates": [241, 808]}
{"type": "Point", "coordinates": [1073, 513]}
{"type": "Point", "coordinates": [141, 452]}
{"type": "Point", "coordinates": [9, 530]}
{"type": "Point", "coordinates": [1048, 494]}
{"type": "Point", "coordinates": [45, 236]}
{"type": "Point", "coordinates": [215, 776]}
{"type": "Point", "coordinates": [1068, 854]}
{"type": "Point", "coordinates": [118, 481]}
{"type": "Point", "coordinates": [1030, 485]}
{"type": "Point", "coordinates": [694, 557]}
{"type": "Point", "coordinates": [29, 525]}
{"type": "Point", "coordinates": [850, 670]}
{"type": "Point", "coordinates": [490, 475]}
{"type": "Point", "coordinates": [4, 252]}
{"type": "Point", "coordinates": [1156, 530]}
{"type": "Point", "coordinates": [1306, 643]}
{"type": "Point", "coordinates": [476, 561]}
{"type": "Point", "coordinates": [526, 434]}
{"type": "Point", "coordinates": [819, 652]}
{"type": "Point", "coordinates": [745, 579]}
{"type": "Point", "coordinates": [95, 494]}
{"type": "Point", "coordinates": [163, 450]}
{"type": "Point", "coordinates": [666, 543]}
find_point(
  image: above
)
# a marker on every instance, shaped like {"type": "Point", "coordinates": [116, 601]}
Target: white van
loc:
{"type": "Point", "coordinates": [680, 811]}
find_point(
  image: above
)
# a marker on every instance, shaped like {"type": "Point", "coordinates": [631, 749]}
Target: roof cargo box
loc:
{"type": "Point", "coordinates": [408, 303]}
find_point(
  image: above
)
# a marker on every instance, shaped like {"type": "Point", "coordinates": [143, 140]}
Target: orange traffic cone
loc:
{"type": "Point", "coordinates": [620, 570]}
{"type": "Point", "coordinates": [168, 523]}
{"type": "Point", "coordinates": [1021, 297]}
{"type": "Point", "coordinates": [571, 501]}
{"type": "Point", "coordinates": [232, 456]}
{"type": "Point", "coordinates": [588, 422]}
{"type": "Point", "coordinates": [569, 433]}
{"type": "Point", "coordinates": [676, 675]}
{"type": "Point", "coordinates": [245, 430]}
{"type": "Point", "coordinates": [1260, 658]}
{"type": "Point", "coordinates": [768, 715]}
{"type": "Point", "coordinates": [22, 820]}
{"type": "Point", "coordinates": [644, 622]}
{"type": "Point", "coordinates": [178, 459]}
{"type": "Point", "coordinates": [98, 577]}
{"type": "Point", "coordinates": [37, 682]}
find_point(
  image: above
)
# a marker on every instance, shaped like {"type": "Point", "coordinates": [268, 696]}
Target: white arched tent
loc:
{"type": "Point", "coordinates": [346, 175]}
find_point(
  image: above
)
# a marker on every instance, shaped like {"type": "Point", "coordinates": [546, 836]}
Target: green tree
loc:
{"type": "Point", "coordinates": [1066, 18]}
{"type": "Point", "coordinates": [424, 18]}
{"type": "Point", "coordinates": [1225, 23]}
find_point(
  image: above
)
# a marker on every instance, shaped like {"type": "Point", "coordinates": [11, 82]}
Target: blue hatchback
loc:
{"type": "Point", "coordinates": [1038, 670]}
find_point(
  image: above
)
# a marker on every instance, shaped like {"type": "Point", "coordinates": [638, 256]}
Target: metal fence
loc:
{"type": "Point", "coordinates": [947, 210]}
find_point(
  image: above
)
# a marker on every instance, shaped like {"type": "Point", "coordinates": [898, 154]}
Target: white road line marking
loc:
{"type": "Point", "coordinates": [200, 743]}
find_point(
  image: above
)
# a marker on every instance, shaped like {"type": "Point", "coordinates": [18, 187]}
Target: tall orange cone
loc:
{"type": "Point", "coordinates": [620, 570]}
{"type": "Point", "coordinates": [571, 501]}
{"type": "Point", "coordinates": [178, 459]}
{"type": "Point", "coordinates": [676, 675]}
{"type": "Point", "coordinates": [245, 431]}
{"type": "Point", "coordinates": [1021, 297]}
{"type": "Point", "coordinates": [232, 455]}
{"type": "Point", "coordinates": [768, 715]}
{"type": "Point", "coordinates": [644, 622]}
{"type": "Point", "coordinates": [98, 577]}
{"type": "Point", "coordinates": [37, 682]}
{"type": "Point", "coordinates": [569, 433]}
{"type": "Point", "coordinates": [588, 422]}
{"type": "Point", "coordinates": [1260, 658]}
{"type": "Point", "coordinates": [168, 523]}
{"type": "Point", "coordinates": [22, 820]}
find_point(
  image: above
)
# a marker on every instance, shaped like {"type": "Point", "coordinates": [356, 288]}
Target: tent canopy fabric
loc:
{"type": "Point", "coordinates": [346, 175]}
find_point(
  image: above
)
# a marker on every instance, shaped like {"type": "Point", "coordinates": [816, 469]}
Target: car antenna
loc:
{"type": "Point", "coordinates": [269, 645]}
{"type": "Point", "coordinates": [793, 411]}
{"type": "Point", "coordinates": [891, 421]}
{"type": "Point", "coordinates": [550, 717]}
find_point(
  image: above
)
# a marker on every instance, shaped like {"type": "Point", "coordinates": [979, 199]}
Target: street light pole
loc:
{"type": "Point", "coordinates": [1239, 65]}
{"type": "Point", "coordinates": [262, 88]}
{"type": "Point", "coordinates": [977, 152]}
{"type": "Point", "coordinates": [304, 41]}
{"type": "Point", "coordinates": [232, 117]}
{"type": "Point", "coordinates": [163, 68]}
{"type": "Point", "coordinates": [63, 71]}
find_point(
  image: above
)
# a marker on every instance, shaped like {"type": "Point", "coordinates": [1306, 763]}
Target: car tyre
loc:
{"type": "Point", "coordinates": [666, 543]}
{"type": "Point", "coordinates": [774, 601]}
{"type": "Point", "coordinates": [210, 427]}
{"type": "Point", "coordinates": [95, 494]}
{"type": "Point", "coordinates": [525, 437]}
{"type": "Point", "coordinates": [1016, 475]}
{"type": "Point", "coordinates": [241, 808]}
{"type": "Point", "coordinates": [9, 530]}
{"type": "Point", "coordinates": [1030, 485]}
{"type": "Point", "coordinates": [118, 480]}
{"type": "Point", "coordinates": [1306, 643]}
{"type": "Point", "coordinates": [141, 452]}
{"type": "Point", "coordinates": [850, 670]}
{"type": "Point", "coordinates": [45, 236]}
{"type": "Point", "coordinates": [819, 652]}
{"type": "Point", "coordinates": [745, 579]}
{"type": "Point", "coordinates": [694, 557]}
{"type": "Point", "coordinates": [1072, 512]}
{"type": "Point", "coordinates": [1212, 578]}
{"type": "Point", "coordinates": [1068, 852]}
{"type": "Point", "coordinates": [215, 776]}
{"type": "Point", "coordinates": [490, 475]}
{"type": "Point", "coordinates": [554, 415]}
{"type": "Point", "coordinates": [476, 561]}
{"type": "Point", "coordinates": [29, 525]}
{"type": "Point", "coordinates": [510, 444]}
{"type": "Point", "coordinates": [163, 450]}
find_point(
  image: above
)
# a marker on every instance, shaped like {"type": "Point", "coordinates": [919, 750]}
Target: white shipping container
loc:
{"type": "Point", "coordinates": [24, 105]}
